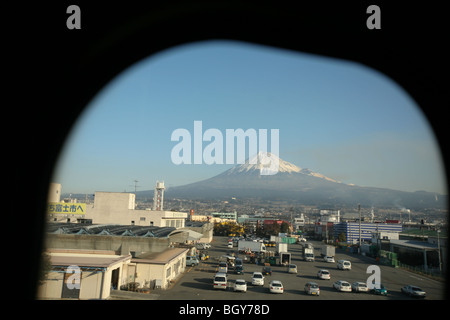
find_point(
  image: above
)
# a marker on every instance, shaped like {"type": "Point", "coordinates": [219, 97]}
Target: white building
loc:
{"type": "Point", "coordinates": [54, 192]}
{"type": "Point", "coordinates": [299, 221]}
{"type": "Point", "coordinates": [330, 216]}
{"type": "Point", "coordinates": [119, 208]}
{"type": "Point", "coordinates": [83, 274]}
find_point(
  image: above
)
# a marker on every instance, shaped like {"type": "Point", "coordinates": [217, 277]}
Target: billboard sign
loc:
{"type": "Point", "coordinates": [66, 208]}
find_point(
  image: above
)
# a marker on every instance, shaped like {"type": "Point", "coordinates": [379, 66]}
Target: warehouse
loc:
{"type": "Point", "coordinates": [351, 230]}
{"type": "Point", "coordinates": [157, 270]}
{"type": "Point", "coordinates": [83, 274]}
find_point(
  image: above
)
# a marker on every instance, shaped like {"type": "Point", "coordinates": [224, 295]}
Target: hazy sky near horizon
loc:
{"type": "Point", "coordinates": [339, 118]}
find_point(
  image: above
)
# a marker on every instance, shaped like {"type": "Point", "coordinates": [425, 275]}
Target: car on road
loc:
{"type": "Point", "coordinates": [230, 245]}
{"type": "Point", "coordinates": [240, 285]}
{"type": "Point", "coordinates": [292, 268]}
{"type": "Point", "coordinates": [359, 287]}
{"type": "Point", "coordinates": [220, 281]}
{"type": "Point", "coordinates": [344, 265]}
{"type": "Point", "coordinates": [312, 288]}
{"type": "Point", "coordinates": [223, 267]}
{"type": "Point", "coordinates": [239, 269]}
{"type": "Point", "coordinates": [267, 271]}
{"type": "Point", "coordinates": [275, 286]}
{"type": "Point", "coordinates": [324, 274]}
{"type": "Point", "coordinates": [342, 285]}
{"type": "Point", "coordinates": [328, 259]}
{"type": "Point", "coordinates": [191, 261]}
{"type": "Point", "coordinates": [379, 289]}
{"type": "Point", "coordinates": [202, 246]}
{"type": "Point", "coordinates": [257, 279]}
{"type": "Point", "coordinates": [414, 291]}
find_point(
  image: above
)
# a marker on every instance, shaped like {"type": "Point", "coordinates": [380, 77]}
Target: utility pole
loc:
{"type": "Point", "coordinates": [359, 211]}
{"type": "Point", "coordinates": [439, 250]}
{"type": "Point", "coordinates": [135, 186]}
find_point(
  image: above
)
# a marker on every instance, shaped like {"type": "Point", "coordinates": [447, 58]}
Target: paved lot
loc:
{"type": "Point", "coordinates": [196, 283]}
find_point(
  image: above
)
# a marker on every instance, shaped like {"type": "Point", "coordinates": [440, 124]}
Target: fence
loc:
{"type": "Point", "coordinates": [434, 273]}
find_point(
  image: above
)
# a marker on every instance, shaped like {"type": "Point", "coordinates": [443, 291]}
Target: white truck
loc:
{"type": "Point", "coordinates": [252, 246]}
{"type": "Point", "coordinates": [308, 254]}
{"type": "Point", "coordinates": [281, 247]}
{"type": "Point", "coordinates": [328, 251]}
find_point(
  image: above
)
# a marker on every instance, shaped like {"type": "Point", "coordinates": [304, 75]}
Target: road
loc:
{"type": "Point", "coordinates": [196, 283]}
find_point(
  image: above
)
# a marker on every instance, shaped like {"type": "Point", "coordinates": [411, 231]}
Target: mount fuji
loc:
{"type": "Point", "coordinates": [299, 185]}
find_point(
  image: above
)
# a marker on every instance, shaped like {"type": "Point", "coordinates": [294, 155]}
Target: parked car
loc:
{"type": "Point", "coordinates": [200, 246]}
{"type": "Point", "coordinates": [328, 259]}
{"type": "Point", "coordinates": [359, 287]}
{"type": "Point", "coordinates": [191, 261]}
{"type": "Point", "coordinates": [344, 265]}
{"type": "Point", "coordinates": [267, 271]}
{"type": "Point", "coordinates": [380, 289]}
{"type": "Point", "coordinates": [324, 274]}
{"type": "Point", "coordinates": [240, 285]}
{"type": "Point", "coordinates": [292, 268]}
{"type": "Point", "coordinates": [414, 291]}
{"type": "Point", "coordinates": [257, 279]}
{"type": "Point", "coordinates": [342, 285]}
{"type": "Point", "coordinates": [275, 286]}
{"type": "Point", "coordinates": [220, 281]}
{"type": "Point", "coordinates": [312, 288]}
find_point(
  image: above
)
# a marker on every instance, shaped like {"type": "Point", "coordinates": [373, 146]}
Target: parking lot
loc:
{"type": "Point", "coordinates": [197, 282]}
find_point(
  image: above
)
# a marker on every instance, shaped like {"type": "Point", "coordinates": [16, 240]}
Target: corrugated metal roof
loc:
{"type": "Point", "coordinates": [110, 229]}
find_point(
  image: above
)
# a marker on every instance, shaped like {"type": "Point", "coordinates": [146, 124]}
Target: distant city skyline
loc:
{"type": "Point", "coordinates": [339, 118]}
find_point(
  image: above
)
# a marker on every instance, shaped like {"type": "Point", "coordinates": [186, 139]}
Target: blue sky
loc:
{"type": "Point", "coordinates": [339, 118]}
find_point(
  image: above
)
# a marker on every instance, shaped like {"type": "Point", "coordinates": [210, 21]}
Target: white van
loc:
{"type": "Point", "coordinates": [344, 265]}
{"type": "Point", "coordinates": [220, 281]}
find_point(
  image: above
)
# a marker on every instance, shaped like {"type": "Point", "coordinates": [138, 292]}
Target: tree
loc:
{"type": "Point", "coordinates": [342, 237]}
{"type": "Point", "coordinates": [284, 228]}
{"type": "Point", "coordinates": [272, 229]}
{"type": "Point", "coordinates": [45, 267]}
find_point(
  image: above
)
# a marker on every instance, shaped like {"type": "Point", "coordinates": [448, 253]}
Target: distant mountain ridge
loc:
{"type": "Point", "coordinates": [301, 185]}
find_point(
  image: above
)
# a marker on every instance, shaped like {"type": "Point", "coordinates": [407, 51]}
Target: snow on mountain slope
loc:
{"type": "Point", "coordinates": [257, 162]}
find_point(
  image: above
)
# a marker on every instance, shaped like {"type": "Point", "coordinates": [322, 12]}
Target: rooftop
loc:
{"type": "Point", "coordinates": [414, 244]}
{"type": "Point", "coordinates": [85, 258]}
{"type": "Point", "coordinates": [160, 257]}
{"type": "Point", "coordinates": [109, 229]}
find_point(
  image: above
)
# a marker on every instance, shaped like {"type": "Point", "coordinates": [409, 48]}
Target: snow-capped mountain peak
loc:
{"type": "Point", "coordinates": [263, 160]}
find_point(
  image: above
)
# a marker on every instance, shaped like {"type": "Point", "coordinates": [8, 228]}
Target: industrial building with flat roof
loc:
{"type": "Point", "coordinates": [351, 230]}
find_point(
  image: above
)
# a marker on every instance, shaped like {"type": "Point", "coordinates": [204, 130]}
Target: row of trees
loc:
{"type": "Point", "coordinates": [227, 228]}
{"type": "Point", "coordinates": [272, 229]}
